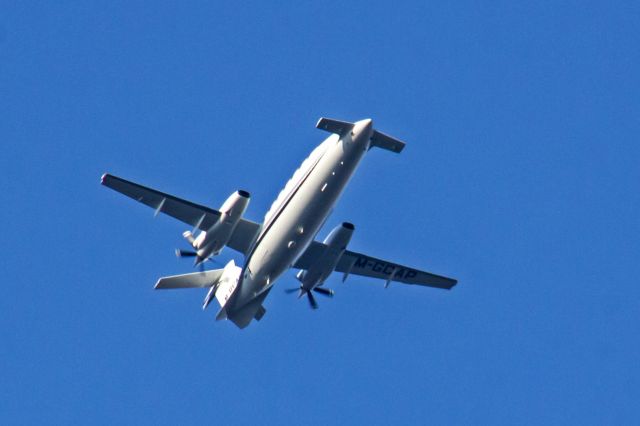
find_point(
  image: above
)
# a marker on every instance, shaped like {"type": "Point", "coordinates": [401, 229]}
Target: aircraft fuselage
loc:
{"type": "Point", "coordinates": [296, 217]}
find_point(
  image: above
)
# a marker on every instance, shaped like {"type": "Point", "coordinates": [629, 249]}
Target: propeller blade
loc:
{"type": "Point", "coordinates": [188, 235]}
{"type": "Point", "coordinates": [324, 291]}
{"type": "Point", "coordinates": [185, 253]}
{"type": "Point", "coordinates": [291, 290]}
{"type": "Point", "coordinates": [195, 228]}
{"type": "Point", "coordinates": [312, 300]}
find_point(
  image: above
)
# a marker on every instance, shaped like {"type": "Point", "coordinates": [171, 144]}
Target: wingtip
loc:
{"type": "Point", "coordinates": [103, 177]}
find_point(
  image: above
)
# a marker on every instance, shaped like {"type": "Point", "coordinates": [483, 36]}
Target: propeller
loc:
{"type": "Point", "coordinates": [324, 291]}
{"type": "Point", "coordinates": [312, 300]}
{"type": "Point", "coordinates": [188, 235]}
{"type": "Point", "coordinates": [185, 253]}
{"type": "Point", "coordinates": [199, 261]}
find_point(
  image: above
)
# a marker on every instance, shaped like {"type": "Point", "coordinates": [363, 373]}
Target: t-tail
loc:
{"type": "Point", "coordinates": [378, 139]}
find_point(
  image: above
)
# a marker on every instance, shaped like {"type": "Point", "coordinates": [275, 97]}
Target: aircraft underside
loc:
{"type": "Point", "coordinates": [286, 238]}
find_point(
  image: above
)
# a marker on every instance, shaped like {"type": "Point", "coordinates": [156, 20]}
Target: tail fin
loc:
{"type": "Point", "coordinates": [378, 139]}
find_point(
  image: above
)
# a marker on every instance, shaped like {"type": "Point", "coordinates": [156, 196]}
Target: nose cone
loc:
{"type": "Point", "coordinates": [363, 129]}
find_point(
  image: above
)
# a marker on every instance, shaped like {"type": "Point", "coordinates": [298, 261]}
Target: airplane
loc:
{"type": "Point", "coordinates": [286, 237]}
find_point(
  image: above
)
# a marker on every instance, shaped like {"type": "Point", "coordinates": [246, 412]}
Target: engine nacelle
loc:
{"type": "Point", "coordinates": [212, 241]}
{"type": "Point", "coordinates": [336, 243]}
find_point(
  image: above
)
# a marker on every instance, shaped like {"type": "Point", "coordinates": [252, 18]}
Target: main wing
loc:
{"type": "Point", "coordinates": [190, 213]}
{"type": "Point", "coordinates": [361, 264]}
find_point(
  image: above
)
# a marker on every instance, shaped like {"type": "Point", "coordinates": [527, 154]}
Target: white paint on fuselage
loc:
{"type": "Point", "coordinates": [304, 205]}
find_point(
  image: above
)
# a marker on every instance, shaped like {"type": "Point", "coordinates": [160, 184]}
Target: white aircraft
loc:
{"type": "Point", "coordinates": [286, 237]}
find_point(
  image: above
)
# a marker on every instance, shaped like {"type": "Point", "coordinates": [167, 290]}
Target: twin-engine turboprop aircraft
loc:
{"type": "Point", "coordinates": [286, 237]}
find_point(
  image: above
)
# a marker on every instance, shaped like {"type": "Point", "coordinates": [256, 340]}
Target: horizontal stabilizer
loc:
{"type": "Point", "coordinates": [334, 126]}
{"type": "Point", "coordinates": [194, 280]}
{"type": "Point", "coordinates": [387, 142]}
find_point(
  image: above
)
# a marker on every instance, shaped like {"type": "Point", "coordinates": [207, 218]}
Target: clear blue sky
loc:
{"type": "Point", "coordinates": [520, 178]}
